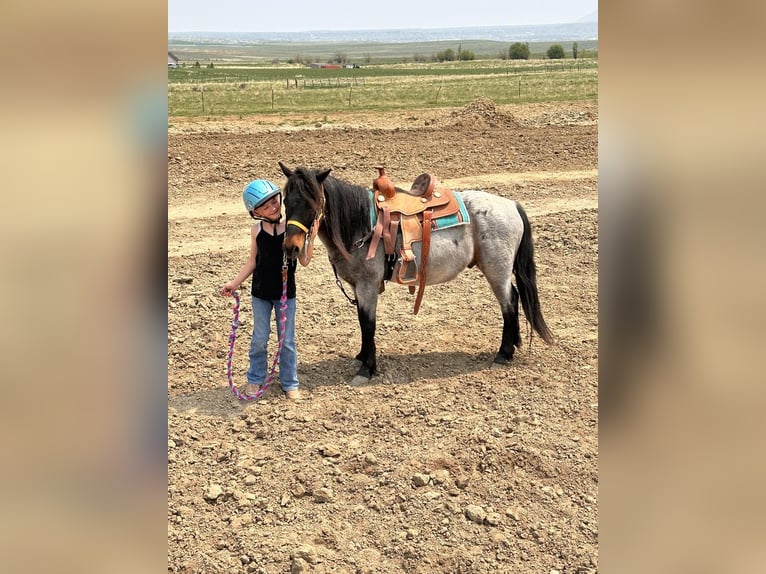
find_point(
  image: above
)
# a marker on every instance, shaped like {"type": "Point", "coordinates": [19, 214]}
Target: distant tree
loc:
{"type": "Point", "coordinates": [418, 57]}
{"type": "Point", "coordinates": [340, 58]}
{"type": "Point", "coordinates": [210, 65]}
{"type": "Point", "coordinates": [518, 51]}
{"type": "Point", "coordinates": [466, 55]}
{"type": "Point", "coordinates": [446, 55]}
{"type": "Point", "coordinates": [574, 50]}
{"type": "Point", "coordinates": [555, 52]}
{"type": "Point", "coordinates": [196, 64]}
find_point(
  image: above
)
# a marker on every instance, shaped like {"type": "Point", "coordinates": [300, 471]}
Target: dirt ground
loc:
{"type": "Point", "coordinates": [441, 463]}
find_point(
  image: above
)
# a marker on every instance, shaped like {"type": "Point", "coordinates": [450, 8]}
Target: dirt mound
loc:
{"type": "Point", "coordinates": [480, 113]}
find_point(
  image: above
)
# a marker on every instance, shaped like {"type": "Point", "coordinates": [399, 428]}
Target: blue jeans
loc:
{"type": "Point", "coordinates": [259, 357]}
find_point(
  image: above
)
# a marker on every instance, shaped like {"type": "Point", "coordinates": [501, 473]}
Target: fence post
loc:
{"type": "Point", "coordinates": [202, 93]}
{"type": "Point", "coordinates": [272, 99]}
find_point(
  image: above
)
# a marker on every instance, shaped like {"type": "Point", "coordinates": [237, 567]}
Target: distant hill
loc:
{"type": "Point", "coordinates": [592, 17]}
{"type": "Point", "coordinates": [582, 30]}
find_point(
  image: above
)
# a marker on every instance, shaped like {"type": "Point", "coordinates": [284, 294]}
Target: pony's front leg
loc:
{"type": "Point", "coordinates": [367, 302]}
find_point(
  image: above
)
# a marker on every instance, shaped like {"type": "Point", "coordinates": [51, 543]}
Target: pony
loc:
{"type": "Point", "coordinates": [497, 240]}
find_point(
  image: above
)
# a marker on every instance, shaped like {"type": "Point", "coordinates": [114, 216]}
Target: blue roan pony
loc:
{"type": "Point", "coordinates": [498, 240]}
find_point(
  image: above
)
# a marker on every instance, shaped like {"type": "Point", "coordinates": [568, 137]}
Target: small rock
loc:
{"type": "Point", "coordinates": [499, 539]}
{"type": "Point", "coordinates": [462, 481]}
{"type": "Point", "coordinates": [514, 513]}
{"type": "Point", "coordinates": [370, 458]}
{"type": "Point", "coordinates": [324, 495]}
{"type": "Point", "coordinates": [420, 479]}
{"type": "Point", "coordinates": [298, 491]}
{"type": "Point", "coordinates": [412, 533]}
{"type": "Point", "coordinates": [299, 566]}
{"type": "Point", "coordinates": [440, 476]}
{"type": "Point", "coordinates": [213, 492]}
{"type": "Point", "coordinates": [492, 518]}
{"type": "Point", "coordinates": [308, 553]}
{"type": "Point", "coordinates": [329, 450]}
{"type": "Point", "coordinates": [475, 514]}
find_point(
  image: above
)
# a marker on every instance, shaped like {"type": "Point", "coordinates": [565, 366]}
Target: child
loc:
{"type": "Point", "coordinates": [263, 201]}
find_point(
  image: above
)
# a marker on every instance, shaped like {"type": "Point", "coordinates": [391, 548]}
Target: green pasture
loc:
{"type": "Point", "coordinates": [247, 90]}
{"type": "Point", "coordinates": [360, 52]}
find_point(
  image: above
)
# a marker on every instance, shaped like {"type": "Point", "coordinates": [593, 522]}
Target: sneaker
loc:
{"type": "Point", "coordinates": [293, 395]}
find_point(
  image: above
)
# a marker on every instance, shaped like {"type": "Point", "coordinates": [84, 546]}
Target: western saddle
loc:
{"type": "Point", "coordinates": [412, 213]}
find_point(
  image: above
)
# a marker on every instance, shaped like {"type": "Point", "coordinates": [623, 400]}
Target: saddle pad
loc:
{"type": "Point", "coordinates": [459, 218]}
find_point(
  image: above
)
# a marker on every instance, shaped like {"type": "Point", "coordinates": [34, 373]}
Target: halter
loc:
{"type": "Point", "coordinates": [233, 335]}
{"type": "Point", "coordinates": [317, 218]}
{"type": "Point", "coordinates": [310, 233]}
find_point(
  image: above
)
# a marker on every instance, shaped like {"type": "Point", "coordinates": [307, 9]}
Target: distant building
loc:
{"type": "Point", "coordinates": [172, 60]}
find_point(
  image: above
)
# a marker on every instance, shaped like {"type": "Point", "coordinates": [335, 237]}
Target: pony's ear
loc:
{"type": "Point", "coordinates": [322, 175]}
{"type": "Point", "coordinates": [286, 170]}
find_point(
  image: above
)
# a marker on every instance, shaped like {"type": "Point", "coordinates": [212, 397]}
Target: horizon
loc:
{"type": "Point", "coordinates": [318, 30]}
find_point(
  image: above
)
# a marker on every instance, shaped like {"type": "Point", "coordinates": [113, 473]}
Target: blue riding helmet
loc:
{"type": "Point", "coordinates": [258, 192]}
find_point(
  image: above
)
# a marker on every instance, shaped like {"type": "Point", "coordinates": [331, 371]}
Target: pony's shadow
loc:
{"type": "Point", "coordinates": [339, 371]}
{"type": "Point", "coordinates": [395, 368]}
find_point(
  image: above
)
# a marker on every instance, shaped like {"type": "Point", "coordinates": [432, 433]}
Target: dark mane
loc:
{"type": "Point", "coordinates": [346, 209]}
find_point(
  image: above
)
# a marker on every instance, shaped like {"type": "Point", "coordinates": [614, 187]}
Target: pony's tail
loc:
{"type": "Point", "coordinates": [526, 279]}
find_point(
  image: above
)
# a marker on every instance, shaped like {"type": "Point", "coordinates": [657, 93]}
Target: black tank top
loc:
{"type": "Point", "coordinates": [267, 278]}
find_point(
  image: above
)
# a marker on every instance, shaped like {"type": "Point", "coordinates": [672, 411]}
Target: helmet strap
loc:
{"type": "Point", "coordinates": [275, 221]}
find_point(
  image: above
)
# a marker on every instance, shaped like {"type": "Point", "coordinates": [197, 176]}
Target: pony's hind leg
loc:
{"type": "Point", "coordinates": [500, 279]}
{"type": "Point", "coordinates": [511, 333]}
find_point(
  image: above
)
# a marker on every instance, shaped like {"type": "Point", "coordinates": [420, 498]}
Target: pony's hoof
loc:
{"type": "Point", "coordinates": [355, 364]}
{"type": "Point", "coordinates": [359, 381]}
{"type": "Point", "coordinates": [500, 362]}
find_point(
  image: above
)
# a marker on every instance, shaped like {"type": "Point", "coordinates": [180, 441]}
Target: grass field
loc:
{"type": "Point", "coordinates": [362, 53]}
{"type": "Point", "coordinates": [229, 89]}
{"type": "Point", "coordinates": [253, 78]}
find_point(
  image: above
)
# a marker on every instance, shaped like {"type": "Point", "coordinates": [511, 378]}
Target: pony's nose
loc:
{"type": "Point", "coordinates": [292, 246]}
{"type": "Point", "coordinates": [292, 252]}
{"type": "Point", "coordinates": [293, 240]}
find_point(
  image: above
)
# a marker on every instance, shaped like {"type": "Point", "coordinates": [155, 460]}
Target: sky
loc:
{"type": "Point", "coordinates": [310, 15]}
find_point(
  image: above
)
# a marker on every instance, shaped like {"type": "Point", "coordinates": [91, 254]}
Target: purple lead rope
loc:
{"type": "Point", "coordinates": [233, 335]}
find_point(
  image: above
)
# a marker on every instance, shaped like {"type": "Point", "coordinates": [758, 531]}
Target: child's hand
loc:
{"type": "Point", "coordinates": [228, 289]}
